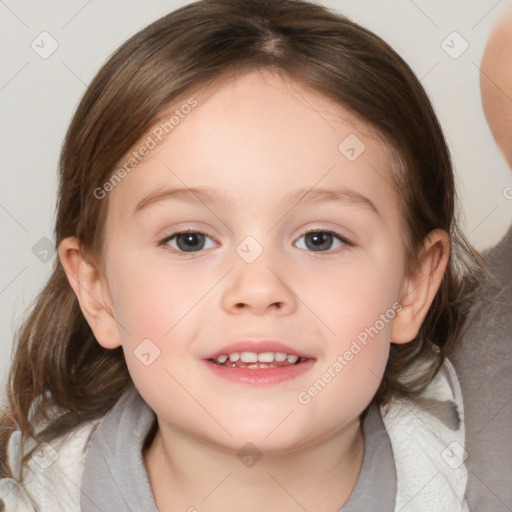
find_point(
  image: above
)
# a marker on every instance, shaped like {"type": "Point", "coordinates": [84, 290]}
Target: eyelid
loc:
{"type": "Point", "coordinates": [316, 229]}
{"type": "Point", "coordinates": [181, 231]}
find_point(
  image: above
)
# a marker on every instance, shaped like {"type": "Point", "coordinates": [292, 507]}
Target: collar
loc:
{"type": "Point", "coordinates": [114, 476]}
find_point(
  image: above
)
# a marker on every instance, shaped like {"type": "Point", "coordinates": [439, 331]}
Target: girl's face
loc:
{"type": "Point", "coordinates": [300, 243]}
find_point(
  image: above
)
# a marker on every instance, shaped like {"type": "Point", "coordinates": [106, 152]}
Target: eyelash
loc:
{"type": "Point", "coordinates": [165, 241]}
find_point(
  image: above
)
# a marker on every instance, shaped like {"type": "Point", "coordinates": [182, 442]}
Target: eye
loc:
{"type": "Point", "coordinates": [186, 241]}
{"type": "Point", "coordinates": [321, 240]}
{"type": "Point", "coordinates": [192, 240]}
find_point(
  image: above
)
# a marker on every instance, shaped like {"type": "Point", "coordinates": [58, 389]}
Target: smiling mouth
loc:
{"type": "Point", "coordinates": [254, 361]}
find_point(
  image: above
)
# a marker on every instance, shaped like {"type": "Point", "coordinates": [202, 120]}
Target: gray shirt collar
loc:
{"type": "Point", "coordinates": [115, 478]}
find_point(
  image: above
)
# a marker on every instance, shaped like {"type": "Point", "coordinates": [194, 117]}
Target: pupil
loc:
{"type": "Point", "coordinates": [192, 239]}
{"type": "Point", "coordinates": [320, 240]}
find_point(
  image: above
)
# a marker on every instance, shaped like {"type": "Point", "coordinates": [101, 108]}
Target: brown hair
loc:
{"type": "Point", "coordinates": [57, 359]}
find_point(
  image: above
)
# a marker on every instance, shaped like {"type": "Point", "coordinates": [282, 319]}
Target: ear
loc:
{"type": "Point", "coordinates": [92, 293]}
{"type": "Point", "coordinates": [420, 287]}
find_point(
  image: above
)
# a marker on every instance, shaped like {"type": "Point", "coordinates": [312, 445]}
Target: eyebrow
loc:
{"type": "Point", "coordinates": [207, 195]}
{"type": "Point", "coordinates": [189, 195]}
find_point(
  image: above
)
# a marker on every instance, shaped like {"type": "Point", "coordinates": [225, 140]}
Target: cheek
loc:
{"type": "Point", "coordinates": [354, 298]}
{"type": "Point", "coordinates": [150, 297]}
{"type": "Point", "coordinates": [358, 309]}
{"type": "Point", "coordinates": [152, 301]}
{"type": "Point", "coordinates": [355, 358]}
{"type": "Point", "coordinates": [159, 302]}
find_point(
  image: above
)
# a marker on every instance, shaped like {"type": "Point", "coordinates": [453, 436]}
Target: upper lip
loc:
{"type": "Point", "coordinates": [257, 346]}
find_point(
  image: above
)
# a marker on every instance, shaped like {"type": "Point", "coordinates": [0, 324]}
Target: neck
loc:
{"type": "Point", "coordinates": [190, 475]}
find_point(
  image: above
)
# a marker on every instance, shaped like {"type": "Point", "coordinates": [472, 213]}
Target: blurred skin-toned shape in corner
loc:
{"type": "Point", "coordinates": [496, 84]}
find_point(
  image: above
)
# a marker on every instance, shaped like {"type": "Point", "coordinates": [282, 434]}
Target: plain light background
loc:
{"type": "Point", "coordinates": [39, 95]}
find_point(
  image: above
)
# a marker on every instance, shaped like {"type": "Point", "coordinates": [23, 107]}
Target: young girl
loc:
{"type": "Point", "coordinates": [259, 280]}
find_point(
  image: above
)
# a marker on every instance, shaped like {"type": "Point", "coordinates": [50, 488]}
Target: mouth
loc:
{"type": "Point", "coordinates": [259, 368]}
{"type": "Point", "coordinates": [258, 360]}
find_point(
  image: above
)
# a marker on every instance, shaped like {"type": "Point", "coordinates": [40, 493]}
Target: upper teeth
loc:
{"type": "Point", "coordinates": [262, 357]}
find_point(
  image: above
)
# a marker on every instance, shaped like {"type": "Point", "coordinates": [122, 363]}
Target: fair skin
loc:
{"type": "Point", "coordinates": [256, 138]}
{"type": "Point", "coordinates": [496, 84]}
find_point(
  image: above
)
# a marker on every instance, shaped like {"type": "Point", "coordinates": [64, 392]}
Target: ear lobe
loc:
{"type": "Point", "coordinates": [420, 288]}
{"type": "Point", "coordinates": [91, 291]}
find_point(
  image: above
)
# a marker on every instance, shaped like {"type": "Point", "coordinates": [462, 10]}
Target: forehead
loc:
{"type": "Point", "coordinates": [259, 135]}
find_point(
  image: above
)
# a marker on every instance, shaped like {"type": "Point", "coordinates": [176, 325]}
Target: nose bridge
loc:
{"type": "Point", "coordinates": [257, 281]}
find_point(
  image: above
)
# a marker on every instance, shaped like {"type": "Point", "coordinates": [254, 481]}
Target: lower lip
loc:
{"type": "Point", "coordinates": [260, 376]}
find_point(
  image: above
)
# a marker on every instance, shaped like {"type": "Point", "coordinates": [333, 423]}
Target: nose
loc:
{"type": "Point", "coordinates": [259, 287]}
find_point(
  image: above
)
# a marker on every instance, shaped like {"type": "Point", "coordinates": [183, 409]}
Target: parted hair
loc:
{"type": "Point", "coordinates": [57, 363]}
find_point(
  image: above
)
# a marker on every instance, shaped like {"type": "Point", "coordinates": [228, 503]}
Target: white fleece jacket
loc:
{"type": "Point", "coordinates": [427, 437]}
